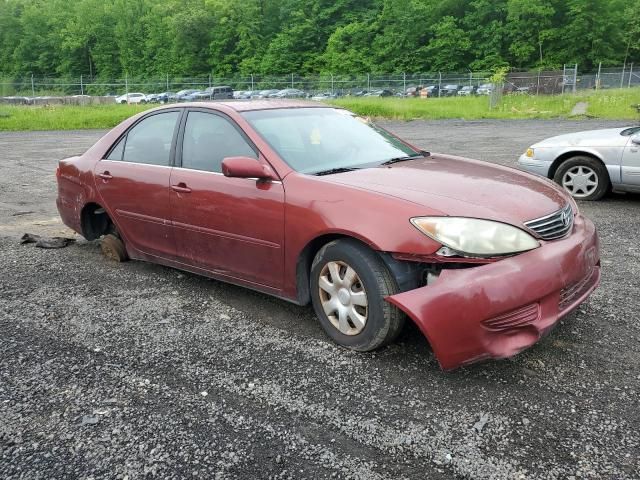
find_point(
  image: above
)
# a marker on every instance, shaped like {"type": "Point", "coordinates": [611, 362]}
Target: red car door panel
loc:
{"type": "Point", "coordinates": [137, 197]}
{"type": "Point", "coordinates": [230, 226]}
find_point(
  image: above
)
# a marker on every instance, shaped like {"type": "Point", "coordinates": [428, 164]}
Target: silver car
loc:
{"type": "Point", "coordinates": [588, 164]}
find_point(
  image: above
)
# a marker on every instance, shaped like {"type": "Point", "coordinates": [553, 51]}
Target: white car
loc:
{"type": "Point", "coordinates": [588, 164]}
{"type": "Point", "coordinates": [132, 98]}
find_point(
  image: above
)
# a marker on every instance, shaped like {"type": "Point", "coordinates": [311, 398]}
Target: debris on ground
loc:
{"type": "Point", "coordinates": [46, 242]}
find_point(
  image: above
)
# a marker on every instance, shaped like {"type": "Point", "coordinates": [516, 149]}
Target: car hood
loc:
{"type": "Point", "coordinates": [609, 137]}
{"type": "Point", "coordinates": [455, 186]}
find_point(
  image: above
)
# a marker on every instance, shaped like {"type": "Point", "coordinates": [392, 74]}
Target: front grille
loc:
{"type": "Point", "coordinates": [553, 226]}
{"type": "Point", "coordinates": [575, 290]}
{"type": "Point", "coordinates": [514, 319]}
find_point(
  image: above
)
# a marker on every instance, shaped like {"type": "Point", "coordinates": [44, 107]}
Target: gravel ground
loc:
{"type": "Point", "coordinates": [135, 370]}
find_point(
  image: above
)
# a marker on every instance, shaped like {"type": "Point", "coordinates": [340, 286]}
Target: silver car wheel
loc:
{"type": "Point", "coordinates": [580, 181]}
{"type": "Point", "coordinates": [343, 298]}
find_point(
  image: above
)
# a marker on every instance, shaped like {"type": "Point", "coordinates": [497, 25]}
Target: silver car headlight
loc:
{"type": "Point", "coordinates": [475, 237]}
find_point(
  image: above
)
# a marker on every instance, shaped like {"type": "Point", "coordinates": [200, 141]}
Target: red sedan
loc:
{"type": "Point", "coordinates": [314, 204]}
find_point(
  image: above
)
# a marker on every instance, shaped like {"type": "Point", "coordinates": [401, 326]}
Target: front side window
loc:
{"type": "Point", "coordinates": [313, 140]}
{"type": "Point", "coordinates": [149, 142]}
{"type": "Point", "coordinates": [209, 139]}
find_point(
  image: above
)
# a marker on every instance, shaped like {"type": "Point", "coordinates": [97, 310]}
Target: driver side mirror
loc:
{"type": "Point", "coordinates": [246, 167]}
{"type": "Point", "coordinates": [635, 139]}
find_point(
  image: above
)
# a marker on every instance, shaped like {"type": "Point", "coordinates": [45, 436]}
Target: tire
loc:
{"type": "Point", "coordinates": [382, 321]}
{"type": "Point", "coordinates": [585, 178]}
{"type": "Point", "coordinates": [113, 248]}
{"type": "Point", "coordinates": [123, 102]}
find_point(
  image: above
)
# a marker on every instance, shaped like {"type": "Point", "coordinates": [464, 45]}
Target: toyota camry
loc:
{"type": "Point", "coordinates": [314, 204]}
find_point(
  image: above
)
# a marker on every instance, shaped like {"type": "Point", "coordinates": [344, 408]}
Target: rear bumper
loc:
{"type": "Point", "coordinates": [499, 309]}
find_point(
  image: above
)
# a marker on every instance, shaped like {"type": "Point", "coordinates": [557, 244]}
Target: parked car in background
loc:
{"type": "Point", "coordinates": [243, 94]}
{"type": "Point", "coordinates": [370, 228]}
{"type": "Point", "coordinates": [223, 92]}
{"type": "Point", "coordinates": [379, 93]}
{"type": "Point", "coordinates": [264, 93]}
{"type": "Point", "coordinates": [132, 98]}
{"type": "Point", "coordinates": [166, 97]}
{"type": "Point", "coordinates": [588, 164]}
{"type": "Point", "coordinates": [467, 90]}
{"type": "Point", "coordinates": [289, 93]}
{"type": "Point", "coordinates": [485, 89]}
{"type": "Point", "coordinates": [433, 90]}
{"type": "Point", "coordinates": [185, 95]}
{"type": "Point", "coordinates": [449, 90]}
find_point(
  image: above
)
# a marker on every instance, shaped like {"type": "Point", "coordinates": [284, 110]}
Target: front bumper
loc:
{"type": "Point", "coordinates": [499, 309]}
{"type": "Point", "coordinates": [541, 167]}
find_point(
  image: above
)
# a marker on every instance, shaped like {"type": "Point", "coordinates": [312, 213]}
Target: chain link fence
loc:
{"type": "Point", "coordinates": [552, 82]}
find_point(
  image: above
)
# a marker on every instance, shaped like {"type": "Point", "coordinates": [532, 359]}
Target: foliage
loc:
{"type": "Point", "coordinates": [109, 39]}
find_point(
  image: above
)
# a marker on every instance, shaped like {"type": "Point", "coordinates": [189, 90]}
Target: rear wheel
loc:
{"type": "Point", "coordinates": [348, 284]}
{"type": "Point", "coordinates": [113, 248]}
{"type": "Point", "coordinates": [585, 178]}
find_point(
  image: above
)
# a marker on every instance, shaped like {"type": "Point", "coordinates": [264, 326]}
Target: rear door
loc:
{"type": "Point", "coordinates": [133, 181]}
{"type": "Point", "coordinates": [631, 161]}
{"type": "Point", "coordinates": [229, 226]}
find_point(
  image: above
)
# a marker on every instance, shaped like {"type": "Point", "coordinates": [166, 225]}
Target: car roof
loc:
{"type": "Point", "coordinates": [245, 106]}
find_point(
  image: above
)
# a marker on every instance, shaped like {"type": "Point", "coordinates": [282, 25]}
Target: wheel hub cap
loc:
{"type": "Point", "coordinates": [580, 181]}
{"type": "Point", "coordinates": [343, 297]}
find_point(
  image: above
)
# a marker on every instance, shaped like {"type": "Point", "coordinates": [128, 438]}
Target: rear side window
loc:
{"type": "Point", "coordinates": [209, 139]}
{"type": "Point", "coordinates": [149, 142]}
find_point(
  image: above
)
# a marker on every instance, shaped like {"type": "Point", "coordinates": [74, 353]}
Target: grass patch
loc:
{"type": "Point", "coordinates": [65, 117]}
{"type": "Point", "coordinates": [607, 104]}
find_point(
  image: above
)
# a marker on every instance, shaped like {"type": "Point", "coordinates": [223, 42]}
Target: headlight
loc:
{"type": "Point", "coordinates": [530, 152]}
{"type": "Point", "coordinates": [473, 237]}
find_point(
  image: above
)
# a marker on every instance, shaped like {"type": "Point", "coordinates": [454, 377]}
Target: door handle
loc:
{"type": "Point", "coordinates": [181, 188]}
{"type": "Point", "coordinates": [105, 175]}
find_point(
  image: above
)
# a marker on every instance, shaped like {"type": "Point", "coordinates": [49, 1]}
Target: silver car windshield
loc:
{"type": "Point", "coordinates": [313, 140]}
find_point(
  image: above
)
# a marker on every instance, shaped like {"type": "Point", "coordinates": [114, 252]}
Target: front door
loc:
{"type": "Point", "coordinates": [631, 161]}
{"type": "Point", "coordinates": [133, 182]}
{"type": "Point", "coordinates": [228, 226]}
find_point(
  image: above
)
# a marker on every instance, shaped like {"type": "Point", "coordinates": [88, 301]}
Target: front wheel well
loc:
{"type": "Point", "coordinates": [566, 156]}
{"type": "Point", "coordinates": [95, 221]}
{"type": "Point", "coordinates": [406, 274]}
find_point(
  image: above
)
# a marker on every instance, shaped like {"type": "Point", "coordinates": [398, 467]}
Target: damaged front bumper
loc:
{"type": "Point", "coordinates": [499, 309]}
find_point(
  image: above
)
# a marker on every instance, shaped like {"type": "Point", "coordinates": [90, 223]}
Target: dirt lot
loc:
{"type": "Point", "coordinates": [136, 370]}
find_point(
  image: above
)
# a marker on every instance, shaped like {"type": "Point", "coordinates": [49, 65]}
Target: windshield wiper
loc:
{"type": "Point", "coordinates": [331, 171]}
{"type": "Point", "coordinates": [403, 159]}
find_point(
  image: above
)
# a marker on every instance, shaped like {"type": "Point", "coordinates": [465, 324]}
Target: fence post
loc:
{"type": "Point", "coordinates": [167, 82]}
{"type": "Point", "coordinates": [33, 88]}
{"type": "Point", "coordinates": [598, 76]}
{"type": "Point", "coordinates": [209, 80]}
{"type": "Point", "coordinates": [538, 84]}
{"type": "Point", "coordinates": [404, 83]}
{"type": "Point", "coordinates": [368, 83]}
{"type": "Point", "coordinates": [332, 84]}
{"type": "Point", "coordinates": [439, 83]}
{"type": "Point", "coordinates": [292, 80]}
{"type": "Point", "coordinates": [575, 78]}
{"type": "Point", "coordinates": [81, 86]}
{"type": "Point", "coordinates": [624, 67]}
{"type": "Point", "coordinates": [252, 82]}
{"type": "Point", "coordinates": [630, 73]}
{"type": "Point", "coordinates": [126, 85]}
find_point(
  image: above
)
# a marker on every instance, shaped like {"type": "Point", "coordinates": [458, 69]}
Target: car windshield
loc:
{"type": "Point", "coordinates": [630, 131]}
{"type": "Point", "coordinates": [314, 140]}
